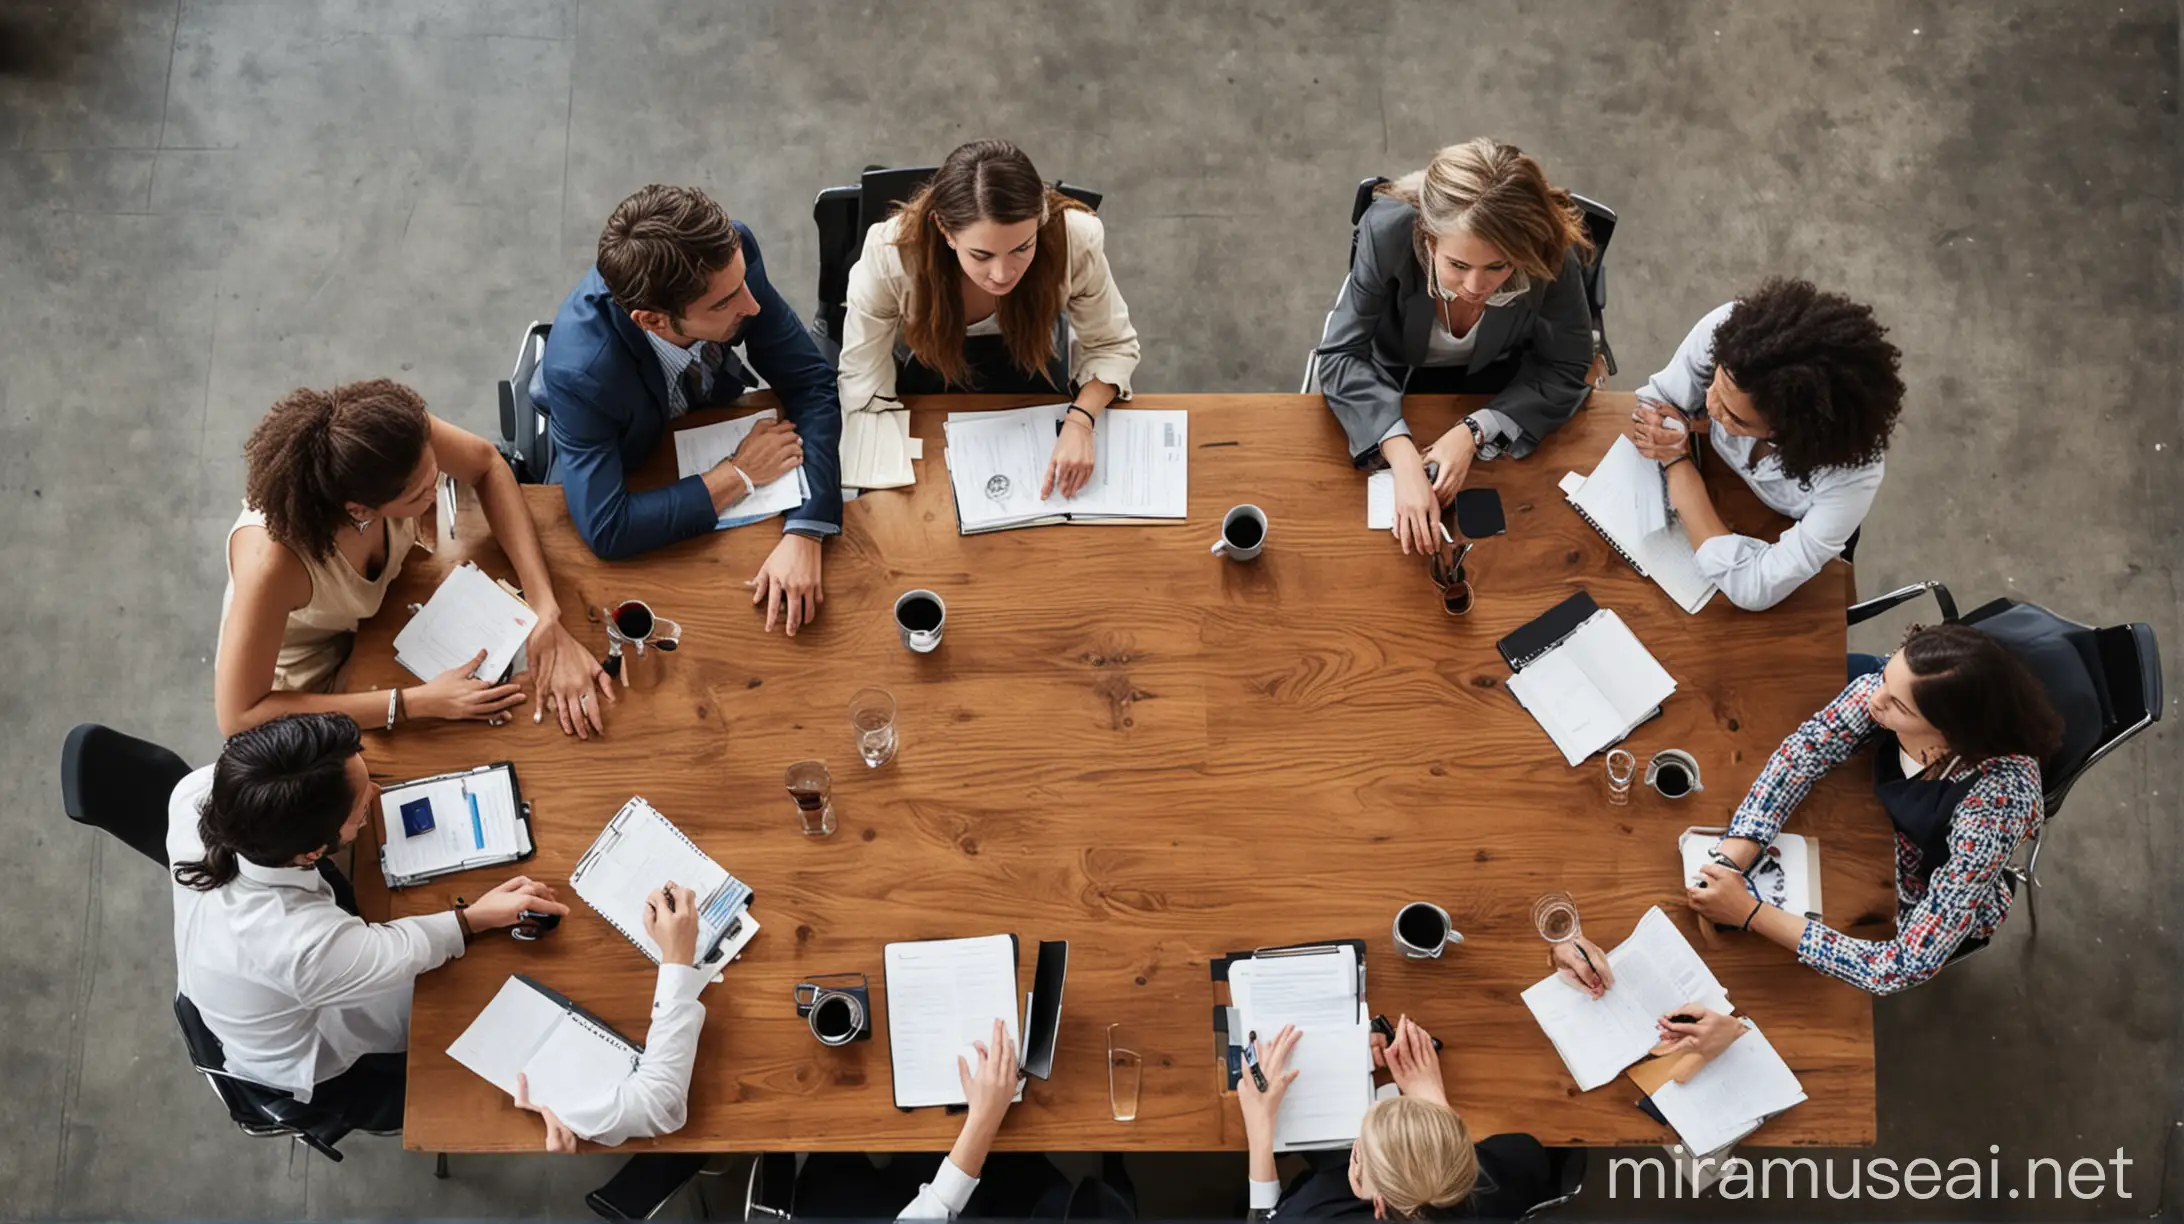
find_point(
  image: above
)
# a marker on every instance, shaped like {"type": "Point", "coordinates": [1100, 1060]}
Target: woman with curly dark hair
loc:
{"type": "Point", "coordinates": [337, 482]}
{"type": "Point", "coordinates": [1796, 390]}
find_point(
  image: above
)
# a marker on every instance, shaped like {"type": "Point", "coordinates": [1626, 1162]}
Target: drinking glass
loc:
{"type": "Point", "coordinates": [1554, 916]}
{"type": "Point", "coordinates": [1125, 1072]}
{"type": "Point", "coordinates": [872, 713]}
{"type": "Point", "coordinates": [812, 787]}
{"type": "Point", "coordinates": [1622, 769]}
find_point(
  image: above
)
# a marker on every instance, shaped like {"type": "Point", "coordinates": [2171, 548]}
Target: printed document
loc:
{"type": "Point", "coordinates": [700, 450]}
{"type": "Point", "coordinates": [1732, 1095]}
{"type": "Point", "coordinates": [942, 995]}
{"type": "Point", "coordinates": [997, 461]}
{"type": "Point", "coordinates": [469, 612]}
{"type": "Point", "coordinates": [1655, 973]}
{"type": "Point", "coordinates": [1318, 993]}
{"type": "Point", "coordinates": [877, 449]}
{"type": "Point", "coordinates": [473, 821]}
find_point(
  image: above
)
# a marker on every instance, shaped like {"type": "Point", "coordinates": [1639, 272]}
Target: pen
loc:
{"type": "Point", "coordinates": [667, 896]}
{"type": "Point", "coordinates": [1251, 1061]}
{"type": "Point", "coordinates": [1457, 566]}
{"type": "Point", "coordinates": [1446, 538]}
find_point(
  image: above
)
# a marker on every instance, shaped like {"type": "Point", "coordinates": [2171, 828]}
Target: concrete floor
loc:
{"type": "Point", "coordinates": [203, 204]}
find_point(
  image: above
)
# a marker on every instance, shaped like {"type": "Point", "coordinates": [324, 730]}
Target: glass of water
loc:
{"type": "Point", "coordinates": [1125, 1073]}
{"type": "Point", "coordinates": [872, 713]}
{"type": "Point", "coordinates": [1622, 770]}
{"type": "Point", "coordinates": [812, 787]}
{"type": "Point", "coordinates": [1554, 916]}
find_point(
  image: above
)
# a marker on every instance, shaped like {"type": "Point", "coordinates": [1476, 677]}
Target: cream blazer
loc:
{"type": "Point", "coordinates": [1103, 346]}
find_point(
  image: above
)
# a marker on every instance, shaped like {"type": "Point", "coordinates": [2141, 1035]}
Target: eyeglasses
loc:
{"type": "Point", "coordinates": [1445, 566]}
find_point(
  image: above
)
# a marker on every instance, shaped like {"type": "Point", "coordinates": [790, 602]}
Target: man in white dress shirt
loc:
{"type": "Point", "coordinates": [304, 996]}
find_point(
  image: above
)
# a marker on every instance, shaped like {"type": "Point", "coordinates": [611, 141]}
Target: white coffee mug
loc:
{"type": "Point", "coordinates": [921, 632]}
{"type": "Point", "coordinates": [1677, 763]}
{"type": "Point", "coordinates": [1248, 522]}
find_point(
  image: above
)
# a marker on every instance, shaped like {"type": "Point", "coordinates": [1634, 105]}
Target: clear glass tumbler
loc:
{"type": "Point", "coordinates": [812, 787]}
{"type": "Point", "coordinates": [872, 713]}
{"type": "Point", "coordinates": [1554, 916]}
{"type": "Point", "coordinates": [1125, 1073]}
{"type": "Point", "coordinates": [1622, 771]}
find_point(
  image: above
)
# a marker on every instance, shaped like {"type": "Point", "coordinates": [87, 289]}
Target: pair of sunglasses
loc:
{"type": "Point", "coordinates": [1446, 568]}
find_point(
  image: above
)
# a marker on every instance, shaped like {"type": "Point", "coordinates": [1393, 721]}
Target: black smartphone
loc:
{"type": "Point", "coordinates": [1382, 1026]}
{"type": "Point", "coordinates": [1479, 513]}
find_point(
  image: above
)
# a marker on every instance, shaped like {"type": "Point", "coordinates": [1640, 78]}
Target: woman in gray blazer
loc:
{"type": "Point", "coordinates": [1467, 277]}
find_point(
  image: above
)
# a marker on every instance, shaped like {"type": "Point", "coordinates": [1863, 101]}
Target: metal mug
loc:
{"type": "Point", "coordinates": [837, 1007]}
{"type": "Point", "coordinates": [1425, 919]}
{"type": "Point", "coordinates": [923, 639]}
{"type": "Point", "coordinates": [1249, 521]}
{"type": "Point", "coordinates": [1675, 760]}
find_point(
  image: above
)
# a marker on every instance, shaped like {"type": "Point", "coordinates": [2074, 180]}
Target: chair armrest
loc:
{"type": "Point", "coordinates": [1859, 613]}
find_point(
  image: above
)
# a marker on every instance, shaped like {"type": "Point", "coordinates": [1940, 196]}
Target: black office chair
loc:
{"type": "Point", "coordinates": [1567, 1167]}
{"type": "Point", "coordinates": [2112, 695]}
{"type": "Point", "coordinates": [1599, 226]}
{"type": "Point", "coordinates": [120, 784]}
{"type": "Point", "coordinates": [771, 1192]}
{"type": "Point", "coordinates": [644, 1184]}
{"type": "Point", "coordinates": [526, 441]}
{"type": "Point", "coordinates": [256, 1110]}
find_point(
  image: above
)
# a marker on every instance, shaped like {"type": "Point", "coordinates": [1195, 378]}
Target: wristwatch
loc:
{"type": "Point", "coordinates": [1478, 435]}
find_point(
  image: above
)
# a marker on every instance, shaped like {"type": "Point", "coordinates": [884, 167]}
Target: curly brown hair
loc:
{"type": "Point", "coordinates": [1820, 371]}
{"type": "Point", "coordinates": [317, 451]}
{"type": "Point", "coordinates": [662, 245]}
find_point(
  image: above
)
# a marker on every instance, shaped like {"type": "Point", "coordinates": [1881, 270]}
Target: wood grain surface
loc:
{"type": "Point", "coordinates": [1160, 756]}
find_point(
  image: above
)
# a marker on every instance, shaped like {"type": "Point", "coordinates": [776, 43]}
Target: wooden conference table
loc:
{"type": "Point", "coordinates": [1160, 756]}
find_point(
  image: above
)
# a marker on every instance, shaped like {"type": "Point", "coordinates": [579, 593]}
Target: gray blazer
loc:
{"type": "Point", "coordinates": [1378, 332]}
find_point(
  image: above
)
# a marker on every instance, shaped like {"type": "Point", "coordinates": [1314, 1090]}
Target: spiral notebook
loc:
{"type": "Point", "coordinates": [1584, 676]}
{"type": "Point", "coordinates": [565, 1054]}
{"type": "Point", "coordinates": [639, 851]}
{"type": "Point", "coordinates": [1626, 501]}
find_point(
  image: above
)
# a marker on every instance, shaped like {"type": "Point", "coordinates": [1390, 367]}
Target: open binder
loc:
{"type": "Point", "coordinates": [1327, 1110]}
{"type": "Point", "coordinates": [479, 820]}
{"type": "Point", "coordinates": [1584, 676]}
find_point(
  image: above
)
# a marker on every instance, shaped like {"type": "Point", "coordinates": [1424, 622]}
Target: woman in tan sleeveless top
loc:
{"type": "Point", "coordinates": [338, 481]}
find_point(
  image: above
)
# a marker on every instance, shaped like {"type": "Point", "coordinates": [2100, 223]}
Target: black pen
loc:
{"type": "Point", "coordinates": [1251, 1061]}
{"type": "Point", "coordinates": [667, 894]}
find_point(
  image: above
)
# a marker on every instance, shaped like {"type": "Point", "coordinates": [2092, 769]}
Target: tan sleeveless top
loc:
{"type": "Point", "coordinates": [319, 633]}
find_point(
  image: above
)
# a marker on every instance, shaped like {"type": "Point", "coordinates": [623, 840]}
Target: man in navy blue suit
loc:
{"type": "Point", "coordinates": [647, 336]}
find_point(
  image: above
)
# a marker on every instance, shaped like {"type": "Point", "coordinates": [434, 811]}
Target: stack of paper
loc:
{"type": "Point", "coordinates": [1787, 874]}
{"type": "Point", "coordinates": [877, 449]}
{"type": "Point", "coordinates": [942, 995]}
{"type": "Point", "coordinates": [1593, 687]}
{"type": "Point", "coordinates": [565, 1056]}
{"type": "Point", "coordinates": [468, 613]}
{"type": "Point", "coordinates": [700, 450]}
{"type": "Point", "coordinates": [1318, 993]}
{"type": "Point", "coordinates": [1732, 1095]}
{"type": "Point", "coordinates": [473, 823]}
{"type": "Point", "coordinates": [997, 461]}
{"type": "Point", "coordinates": [1626, 500]}
{"type": "Point", "coordinates": [1655, 971]}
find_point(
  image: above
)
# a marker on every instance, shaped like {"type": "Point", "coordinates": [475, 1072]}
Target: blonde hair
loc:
{"type": "Point", "coordinates": [1497, 193]}
{"type": "Point", "coordinates": [1416, 1154]}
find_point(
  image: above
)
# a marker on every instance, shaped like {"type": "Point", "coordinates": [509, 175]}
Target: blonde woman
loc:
{"type": "Point", "coordinates": [1413, 1158]}
{"type": "Point", "coordinates": [1466, 277]}
{"type": "Point", "coordinates": [963, 286]}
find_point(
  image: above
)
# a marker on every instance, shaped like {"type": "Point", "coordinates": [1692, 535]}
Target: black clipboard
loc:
{"type": "Point", "coordinates": [1546, 631]}
{"type": "Point", "coordinates": [1228, 1046]}
{"type": "Point", "coordinates": [523, 827]}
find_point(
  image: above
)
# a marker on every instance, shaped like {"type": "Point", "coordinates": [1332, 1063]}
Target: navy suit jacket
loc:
{"type": "Point", "coordinates": [606, 403]}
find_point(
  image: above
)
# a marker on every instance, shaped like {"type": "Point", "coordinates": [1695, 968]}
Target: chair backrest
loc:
{"type": "Point", "coordinates": [1600, 227]}
{"type": "Point", "coordinates": [645, 1183]}
{"type": "Point", "coordinates": [771, 1194]}
{"type": "Point", "coordinates": [120, 784]}
{"type": "Point", "coordinates": [525, 439]}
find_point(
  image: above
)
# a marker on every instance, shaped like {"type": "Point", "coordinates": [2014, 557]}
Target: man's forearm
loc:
{"type": "Point", "coordinates": [726, 484]}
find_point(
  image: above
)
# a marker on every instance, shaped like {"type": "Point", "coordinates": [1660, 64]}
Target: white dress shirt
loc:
{"type": "Point", "coordinates": [295, 989]}
{"type": "Point", "coordinates": [1828, 507]}
{"type": "Point", "coordinates": [943, 1197]}
{"type": "Point", "coordinates": [655, 1099]}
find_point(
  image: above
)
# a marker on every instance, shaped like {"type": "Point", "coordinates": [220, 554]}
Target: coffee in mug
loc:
{"type": "Point", "coordinates": [1423, 931]}
{"type": "Point", "coordinates": [919, 617]}
{"type": "Point", "coordinates": [837, 1008]}
{"type": "Point", "coordinates": [634, 620]}
{"type": "Point", "coordinates": [1674, 773]}
{"type": "Point", "coordinates": [835, 1019]}
{"type": "Point", "coordinates": [1243, 534]}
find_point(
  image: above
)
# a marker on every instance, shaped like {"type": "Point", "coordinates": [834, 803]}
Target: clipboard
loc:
{"type": "Point", "coordinates": [527, 847]}
{"type": "Point", "coordinates": [1228, 1035]}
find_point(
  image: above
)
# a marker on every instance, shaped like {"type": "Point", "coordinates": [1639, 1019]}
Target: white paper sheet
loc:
{"type": "Point", "coordinates": [467, 613]}
{"type": "Point", "coordinates": [942, 995]}
{"type": "Point", "coordinates": [1656, 972]}
{"type": "Point", "coordinates": [700, 450]}
{"type": "Point", "coordinates": [1380, 501]}
{"type": "Point", "coordinates": [563, 1056]}
{"type": "Point", "coordinates": [1623, 498]}
{"type": "Point", "coordinates": [997, 460]}
{"type": "Point", "coordinates": [1785, 874]}
{"type": "Point", "coordinates": [638, 852]}
{"type": "Point", "coordinates": [1732, 1095]}
{"type": "Point", "coordinates": [1333, 1056]}
{"type": "Point", "coordinates": [876, 449]}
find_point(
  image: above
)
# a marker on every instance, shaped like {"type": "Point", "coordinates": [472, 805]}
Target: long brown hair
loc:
{"type": "Point", "coordinates": [1497, 193]}
{"type": "Point", "coordinates": [1985, 703]}
{"type": "Point", "coordinates": [985, 180]}
{"type": "Point", "coordinates": [317, 451]}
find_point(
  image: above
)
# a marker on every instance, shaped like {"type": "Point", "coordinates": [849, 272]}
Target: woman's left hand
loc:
{"type": "Point", "coordinates": [1071, 468]}
{"type": "Point", "coordinates": [1722, 896]}
{"type": "Point", "coordinates": [1706, 1033]}
{"type": "Point", "coordinates": [559, 1138]}
{"type": "Point", "coordinates": [1652, 434]}
{"type": "Point", "coordinates": [567, 680]}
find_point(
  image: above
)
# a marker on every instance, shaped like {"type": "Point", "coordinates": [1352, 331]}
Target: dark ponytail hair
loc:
{"type": "Point", "coordinates": [280, 790]}
{"type": "Point", "coordinates": [317, 451]}
{"type": "Point", "coordinates": [1984, 702]}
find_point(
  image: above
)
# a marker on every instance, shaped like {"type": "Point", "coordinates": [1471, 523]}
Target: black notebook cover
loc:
{"type": "Point", "coordinates": [1044, 1023]}
{"type": "Point", "coordinates": [1539, 635]}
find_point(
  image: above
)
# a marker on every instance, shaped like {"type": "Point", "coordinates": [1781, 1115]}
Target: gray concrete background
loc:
{"type": "Point", "coordinates": [203, 204]}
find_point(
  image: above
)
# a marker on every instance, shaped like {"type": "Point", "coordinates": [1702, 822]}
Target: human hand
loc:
{"type": "Point", "coordinates": [789, 583]}
{"type": "Point", "coordinates": [671, 919]}
{"type": "Point", "coordinates": [1071, 467]}
{"type": "Point", "coordinates": [770, 451]}
{"type": "Point", "coordinates": [1659, 431]}
{"type": "Point", "coordinates": [1261, 1108]}
{"type": "Point", "coordinates": [506, 903]}
{"type": "Point", "coordinates": [1722, 896]}
{"type": "Point", "coordinates": [990, 1087]}
{"type": "Point", "coordinates": [1417, 511]}
{"type": "Point", "coordinates": [1569, 959]}
{"type": "Point", "coordinates": [1707, 1033]}
{"type": "Point", "coordinates": [457, 694]}
{"type": "Point", "coordinates": [1454, 451]}
{"type": "Point", "coordinates": [559, 1138]}
{"type": "Point", "coordinates": [1414, 1064]}
{"type": "Point", "coordinates": [563, 677]}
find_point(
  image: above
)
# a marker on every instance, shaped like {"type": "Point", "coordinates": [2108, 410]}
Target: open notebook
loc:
{"type": "Point", "coordinates": [1626, 501]}
{"type": "Point", "coordinates": [565, 1054]}
{"type": "Point", "coordinates": [468, 612]}
{"type": "Point", "coordinates": [700, 450]}
{"type": "Point", "coordinates": [639, 851]}
{"type": "Point", "coordinates": [1319, 993]}
{"type": "Point", "coordinates": [1655, 973]}
{"type": "Point", "coordinates": [997, 460]}
{"type": "Point", "coordinates": [942, 995]}
{"type": "Point", "coordinates": [1586, 677]}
